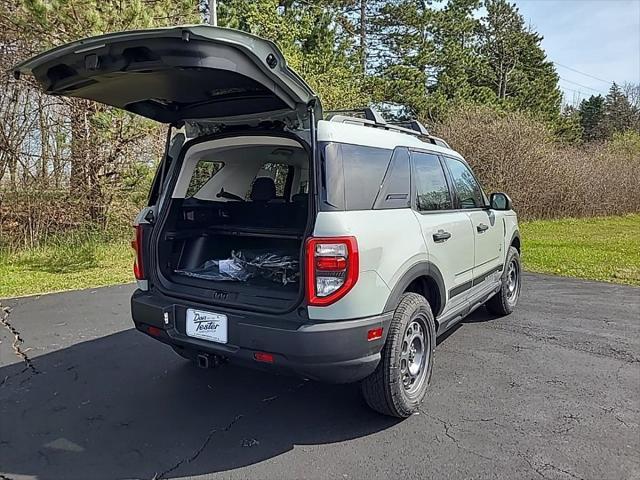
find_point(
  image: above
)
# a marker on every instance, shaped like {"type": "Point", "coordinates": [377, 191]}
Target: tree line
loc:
{"type": "Point", "coordinates": [424, 59]}
{"type": "Point", "coordinates": [66, 164]}
{"type": "Point", "coordinates": [601, 117]}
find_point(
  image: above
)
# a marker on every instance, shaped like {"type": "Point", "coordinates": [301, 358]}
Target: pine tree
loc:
{"type": "Point", "coordinates": [567, 127]}
{"type": "Point", "coordinates": [518, 70]}
{"type": "Point", "coordinates": [403, 66]}
{"type": "Point", "coordinates": [52, 22]}
{"type": "Point", "coordinates": [312, 39]}
{"type": "Point", "coordinates": [592, 118]}
{"type": "Point", "coordinates": [456, 59]}
{"type": "Point", "coordinates": [618, 112]}
{"type": "Point", "coordinates": [430, 58]}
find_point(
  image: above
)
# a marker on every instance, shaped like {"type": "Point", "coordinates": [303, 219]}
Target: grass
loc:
{"type": "Point", "coordinates": [79, 263]}
{"type": "Point", "coordinates": [606, 248]}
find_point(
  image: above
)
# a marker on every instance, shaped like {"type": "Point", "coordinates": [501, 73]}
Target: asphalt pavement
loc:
{"type": "Point", "coordinates": [550, 392]}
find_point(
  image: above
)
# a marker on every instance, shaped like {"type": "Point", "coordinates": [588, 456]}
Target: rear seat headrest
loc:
{"type": "Point", "coordinates": [263, 189]}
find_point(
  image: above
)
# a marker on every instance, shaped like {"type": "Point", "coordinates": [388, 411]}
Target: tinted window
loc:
{"type": "Point", "coordinates": [432, 191]}
{"type": "Point", "coordinates": [332, 176]}
{"type": "Point", "coordinates": [202, 173]}
{"type": "Point", "coordinates": [467, 188]}
{"type": "Point", "coordinates": [352, 175]}
{"type": "Point", "coordinates": [396, 187]}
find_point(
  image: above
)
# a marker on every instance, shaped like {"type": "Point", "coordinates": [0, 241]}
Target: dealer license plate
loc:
{"type": "Point", "coordinates": [207, 325]}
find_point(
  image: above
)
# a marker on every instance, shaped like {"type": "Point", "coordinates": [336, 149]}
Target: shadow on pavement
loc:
{"type": "Point", "coordinates": [123, 406]}
{"type": "Point", "coordinates": [480, 315]}
{"type": "Point", "coordinates": [477, 316]}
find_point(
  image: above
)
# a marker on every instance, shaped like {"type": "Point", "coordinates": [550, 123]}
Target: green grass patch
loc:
{"type": "Point", "coordinates": [83, 262]}
{"type": "Point", "coordinates": [606, 248]}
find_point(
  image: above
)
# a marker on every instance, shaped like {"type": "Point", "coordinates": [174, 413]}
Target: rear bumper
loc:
{"type": "Point", "coordinates": [332, 351]}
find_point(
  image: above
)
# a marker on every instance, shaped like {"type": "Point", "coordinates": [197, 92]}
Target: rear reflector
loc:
{"type": "Point", "coordinates": [331, 263]}
{"type": "Point", "coordinates": [154, 331]}
{"type": "Point", "coordinates": [374, 334]}
{"type": "Point", "coordinates": [263, 357]}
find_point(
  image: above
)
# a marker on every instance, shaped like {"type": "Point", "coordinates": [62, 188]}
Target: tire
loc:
{"type": "Point", "coordinates": [505, 301]}
{"type": "Point", "coordinates": [392, 389]}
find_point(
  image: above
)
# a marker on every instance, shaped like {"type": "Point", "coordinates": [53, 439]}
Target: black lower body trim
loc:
{"type": "Point", "coordinates": [460, 288]}
{"type": "Point", "coordinates": [481, 278]}
{"type": "Point", "coordinates": [472, 283]}
{"type": "Point", "coordinates": [451, 318]}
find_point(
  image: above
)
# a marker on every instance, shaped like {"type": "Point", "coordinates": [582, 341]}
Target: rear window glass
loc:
{"type": "Point", "coordinates": [203, 172]}
{"type": "Point", "coordinates": [278, 172]}
{"type": "Point", "coordinates": [352, 174]}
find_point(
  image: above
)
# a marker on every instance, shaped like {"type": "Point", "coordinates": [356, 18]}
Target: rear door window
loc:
{"type": "Point", "coordinates": [432, 190]}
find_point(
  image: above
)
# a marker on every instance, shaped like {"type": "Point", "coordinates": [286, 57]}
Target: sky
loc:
{"type": "Point", "coordinates": [600, 38]}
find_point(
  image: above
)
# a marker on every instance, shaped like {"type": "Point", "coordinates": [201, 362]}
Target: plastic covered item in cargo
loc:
{"type": "Point", "coordinates": [218, 270]}
{"type": "Point", "coordinates": [242, 266]}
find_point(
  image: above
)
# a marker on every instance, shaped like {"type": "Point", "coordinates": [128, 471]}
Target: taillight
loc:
{"type": "Point", "coordinates": [136, 243]}
{"type": "Point", "coordinates": [332, 268]}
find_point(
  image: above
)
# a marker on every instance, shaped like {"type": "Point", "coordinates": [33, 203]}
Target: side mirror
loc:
{"type": "Point", "coordinates": [500, 201]}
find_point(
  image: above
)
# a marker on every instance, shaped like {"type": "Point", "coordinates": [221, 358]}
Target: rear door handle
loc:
{"type": "Point", "coordinates": [441, 236]}
{"type": "Point", "coordinates": [482, 227]}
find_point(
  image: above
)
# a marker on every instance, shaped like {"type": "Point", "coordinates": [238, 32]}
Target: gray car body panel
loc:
{"type": "Point", "coordinates": [178, 74]}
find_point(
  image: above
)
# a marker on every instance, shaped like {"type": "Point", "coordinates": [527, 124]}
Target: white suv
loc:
{"type": "Point", "coordinates": [334, 249]}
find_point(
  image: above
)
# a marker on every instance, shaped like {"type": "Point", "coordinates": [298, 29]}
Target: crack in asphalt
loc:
{"type": "Point", "coordinates": [558, 469]}
{"type": "Point", "coordinates": [587, 347]}
{"type": "Point", "coordinates": [622, 421]}
{"type": "Point", "coordinates": [531, 465]}
{"type": "Point", "coordinates": [447, 426]}
{"type": "Point", "coordinates": [540, 469]}
{"type": "Point", "coordinates": [194, 456]}
{"type": "Point", "coordinates": [16, 345]}
{"type": "Point", "coordinates": [569, 422]}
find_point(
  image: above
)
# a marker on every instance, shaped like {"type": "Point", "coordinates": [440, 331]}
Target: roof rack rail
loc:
{"type": "Point", "coordinates": [368, 113]}
{"type": "Point", "coordinates": [414, 125]}
{"type": "Point", "coordinates": [370, 117]}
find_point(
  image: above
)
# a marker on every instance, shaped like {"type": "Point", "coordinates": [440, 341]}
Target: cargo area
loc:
{"type": "Point", "coordinates": [236, 221]}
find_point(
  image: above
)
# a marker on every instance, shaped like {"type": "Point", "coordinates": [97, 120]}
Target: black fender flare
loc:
{"type": "Point", "coordinates": [421, 269]}
{"type": "Point", "coordinates": [516, 234]}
